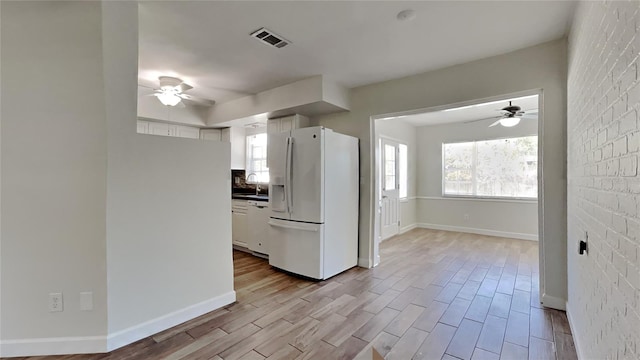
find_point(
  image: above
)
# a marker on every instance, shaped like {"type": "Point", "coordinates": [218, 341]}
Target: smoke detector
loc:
{"type": "Point", "coordinates": [270, 38]}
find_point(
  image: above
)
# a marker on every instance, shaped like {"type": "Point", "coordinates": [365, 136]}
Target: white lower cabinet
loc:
{"type": "Point", "coordinates": [239, 223]}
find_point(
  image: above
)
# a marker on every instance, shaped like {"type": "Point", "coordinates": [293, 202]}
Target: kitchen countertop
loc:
{"type": "Point", "coordinates": [255, 197]}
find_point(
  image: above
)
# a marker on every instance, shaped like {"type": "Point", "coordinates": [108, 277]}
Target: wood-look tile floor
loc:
{"type": "Point", "coordinates": [435, 295]}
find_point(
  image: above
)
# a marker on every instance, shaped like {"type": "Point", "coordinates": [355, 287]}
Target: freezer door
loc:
{"type": "Point", "coordinates": [296, 247]}
{"type": "Point", "coordinates": [278, 151]}
{"type": "Point", "coordinates": [307, 175]}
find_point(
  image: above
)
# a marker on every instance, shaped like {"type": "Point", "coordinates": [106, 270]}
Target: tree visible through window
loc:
{"type": "Point", "coordinates": [492, 168]}
{"type": "Point", "coordinates": [257, 159]}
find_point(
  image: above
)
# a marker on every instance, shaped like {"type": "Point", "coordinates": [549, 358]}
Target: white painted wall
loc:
{"type": "Point", "coordinates": [168, 201]}
{"type": "Point", "coordinates": [604, 180]}
{"type": "Point", "coordinates": [54, 165]}
{"type": "Point", "coordinates": [539, 67]}
{"type": "Point", "coordinates": [88, 204]}
{"type": "Point", "coordinates": [512, 218]}
{"type": "Point", "coordinates": [406, 134]}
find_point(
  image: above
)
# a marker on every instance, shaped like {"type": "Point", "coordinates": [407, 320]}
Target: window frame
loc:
{"type": "Point", "coordinates": [249, 159]}
{"type": "Point", "coordinates": [532, 199]}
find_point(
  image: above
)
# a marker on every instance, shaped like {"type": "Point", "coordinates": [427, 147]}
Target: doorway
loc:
{"type": "Point", "coordinates": [424, 195]}
{"type": "Point", "coordinates": [390, 191]}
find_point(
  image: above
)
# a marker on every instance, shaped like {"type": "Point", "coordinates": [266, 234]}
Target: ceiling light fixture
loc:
{"type": "Point", "coordinates": [510, 121]}
{"type": "Point", "coordinates": [168, 97]}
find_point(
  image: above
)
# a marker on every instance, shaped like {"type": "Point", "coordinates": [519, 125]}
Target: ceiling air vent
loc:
{"type": "Point", "coordinates": [268, 37]}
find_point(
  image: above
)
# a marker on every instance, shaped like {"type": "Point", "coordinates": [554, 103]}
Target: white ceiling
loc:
{"type": "Point", "coordinates": [207, 44]}
{"type": "Point", "coordinates": [486, 110]}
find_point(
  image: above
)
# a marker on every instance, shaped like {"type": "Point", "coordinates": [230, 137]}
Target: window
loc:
{"type": "Point", "coordinates": [257, 159]}
{"type": "Point", "coordinates": [491, 168]}
{"type": "Point", "coordinates": [403, 171]}
{"type": "Point", "coordinates": [389, 167]}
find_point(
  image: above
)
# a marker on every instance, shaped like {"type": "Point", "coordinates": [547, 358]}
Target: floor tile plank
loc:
{"type": "Point", "coordinates": [436, 343]}
{"type": "Point", "coordinates": [464, 340]}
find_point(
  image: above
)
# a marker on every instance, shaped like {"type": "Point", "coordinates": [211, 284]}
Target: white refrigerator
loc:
{"type": "Point", "coordinates": [313, 201]}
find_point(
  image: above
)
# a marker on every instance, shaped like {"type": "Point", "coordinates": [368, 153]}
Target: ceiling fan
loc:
{"type": "Point", "coordinates": [510, 116]}
{"type": "Point", "coordinates": [171, 93]}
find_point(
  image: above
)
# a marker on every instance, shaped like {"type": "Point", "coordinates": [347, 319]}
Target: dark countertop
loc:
{"type": "Point", "coordinates": [254, 197]}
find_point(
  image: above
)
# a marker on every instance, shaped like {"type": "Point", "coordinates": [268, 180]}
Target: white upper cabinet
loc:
{"type": "Point", "coordinates": [187, 132]}
{"type": "Point", "coordinates": [210, 134]}
{"type": "Point", "coordinates": [156, 128]}
{"type": "Point", "coordinates": [287, 123]}
{"type": "Point", "coordinates": [164, 129]}
{"type": "Point", "coordinates": [236, 136]}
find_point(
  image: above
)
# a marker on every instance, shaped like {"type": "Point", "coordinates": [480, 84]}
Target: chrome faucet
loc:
{"type": "Point", "coordinates": [257, 185]}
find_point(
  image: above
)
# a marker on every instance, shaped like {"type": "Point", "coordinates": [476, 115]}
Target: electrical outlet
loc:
{"type": "Point", "coordinates": [86, 301]}
{"type": "Point", "coordinates": [55, 302]}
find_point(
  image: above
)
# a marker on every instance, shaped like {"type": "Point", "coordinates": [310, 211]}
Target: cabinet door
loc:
{"type": "Point", "coordinates": [158, 129]}
{"type": "Point", "coordinates": [239, 228]}
{"type": "Point", "coordinates": [143, 127]}
{"type": "Point", "coordinates": [273, 126]}
{"type": "Point", "coordinates": [173, 130]}
{"type": "Point", "coordinates": [287, 124]}
{"type": "Point", "coordinates": [300, 121]}
{"type": "Point", "coordinates": [210, 134]}
{"type": "Point", "coordinates": [188, 132]}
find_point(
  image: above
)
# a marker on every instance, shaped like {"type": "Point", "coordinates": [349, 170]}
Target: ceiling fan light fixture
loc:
{"type": "Point", "coordinates": [168, 98]}
{"type": "Point", "coordinates": [510, 121]}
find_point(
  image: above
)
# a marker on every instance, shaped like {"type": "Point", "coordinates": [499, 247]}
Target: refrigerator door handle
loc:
{"type": "Point", "coordinates": [288, 174]}
{"type": "Point", "coordinates": [312, 228]}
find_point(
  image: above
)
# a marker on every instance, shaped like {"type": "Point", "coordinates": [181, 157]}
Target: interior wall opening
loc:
{"type": "Point", "coordinates": [471, 167]}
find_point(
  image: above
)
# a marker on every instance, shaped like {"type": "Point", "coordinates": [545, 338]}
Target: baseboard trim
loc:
{"type": "Point", "coordinates": [130, 335]}
{"type": "Point", "coordinates": [554, 302]}
{"type": "Point", "coordinates": [576, 339]}
{"type": "Point", "coordinates": [506, 234]}
{"type": "Point", "coordinates": [102, 344]}
{"type": "Point", "coordinates": [407, 228]}
{"type": "Point", "coordinates": [365, 263]}
{"type": "Point", "coordinates": [53, 346]}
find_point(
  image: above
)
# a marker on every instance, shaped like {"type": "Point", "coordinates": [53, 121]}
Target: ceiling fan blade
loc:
{"type": "Point", "coordinates": [529, 116]}
{"type": "Point", "coordinates": [472, 121]}
{"type": "Point", "coordinates": [196, 100]}
{"type": "Point", "coordinates": [184, 87]}
{"type": "Point", "coordinates": [495, 123]}
{"type": "Point", "coordinates": [180, 105]}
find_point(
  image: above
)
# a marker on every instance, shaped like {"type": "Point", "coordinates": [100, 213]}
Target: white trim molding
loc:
{"type": "Point", "coordinates": [409, 227]}
{"type": "Point", "coordinates": [53, 346]}
{"type": "Point", "coordinates": [489, 232]}
{"type": "Point", "coordinates": [553, 302]}
{"type": "Point", "coordinates": [365, 263]}
{"type": "Point", "coordinates": [103, 344]}
{"type": "Point", "coordinates": [576, 339]}
{"type": "Point", "coordinates": [130, 335]}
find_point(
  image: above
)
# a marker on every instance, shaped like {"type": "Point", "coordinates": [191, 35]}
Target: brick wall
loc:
{"type": "Point", "coordinates": [604, 180]}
